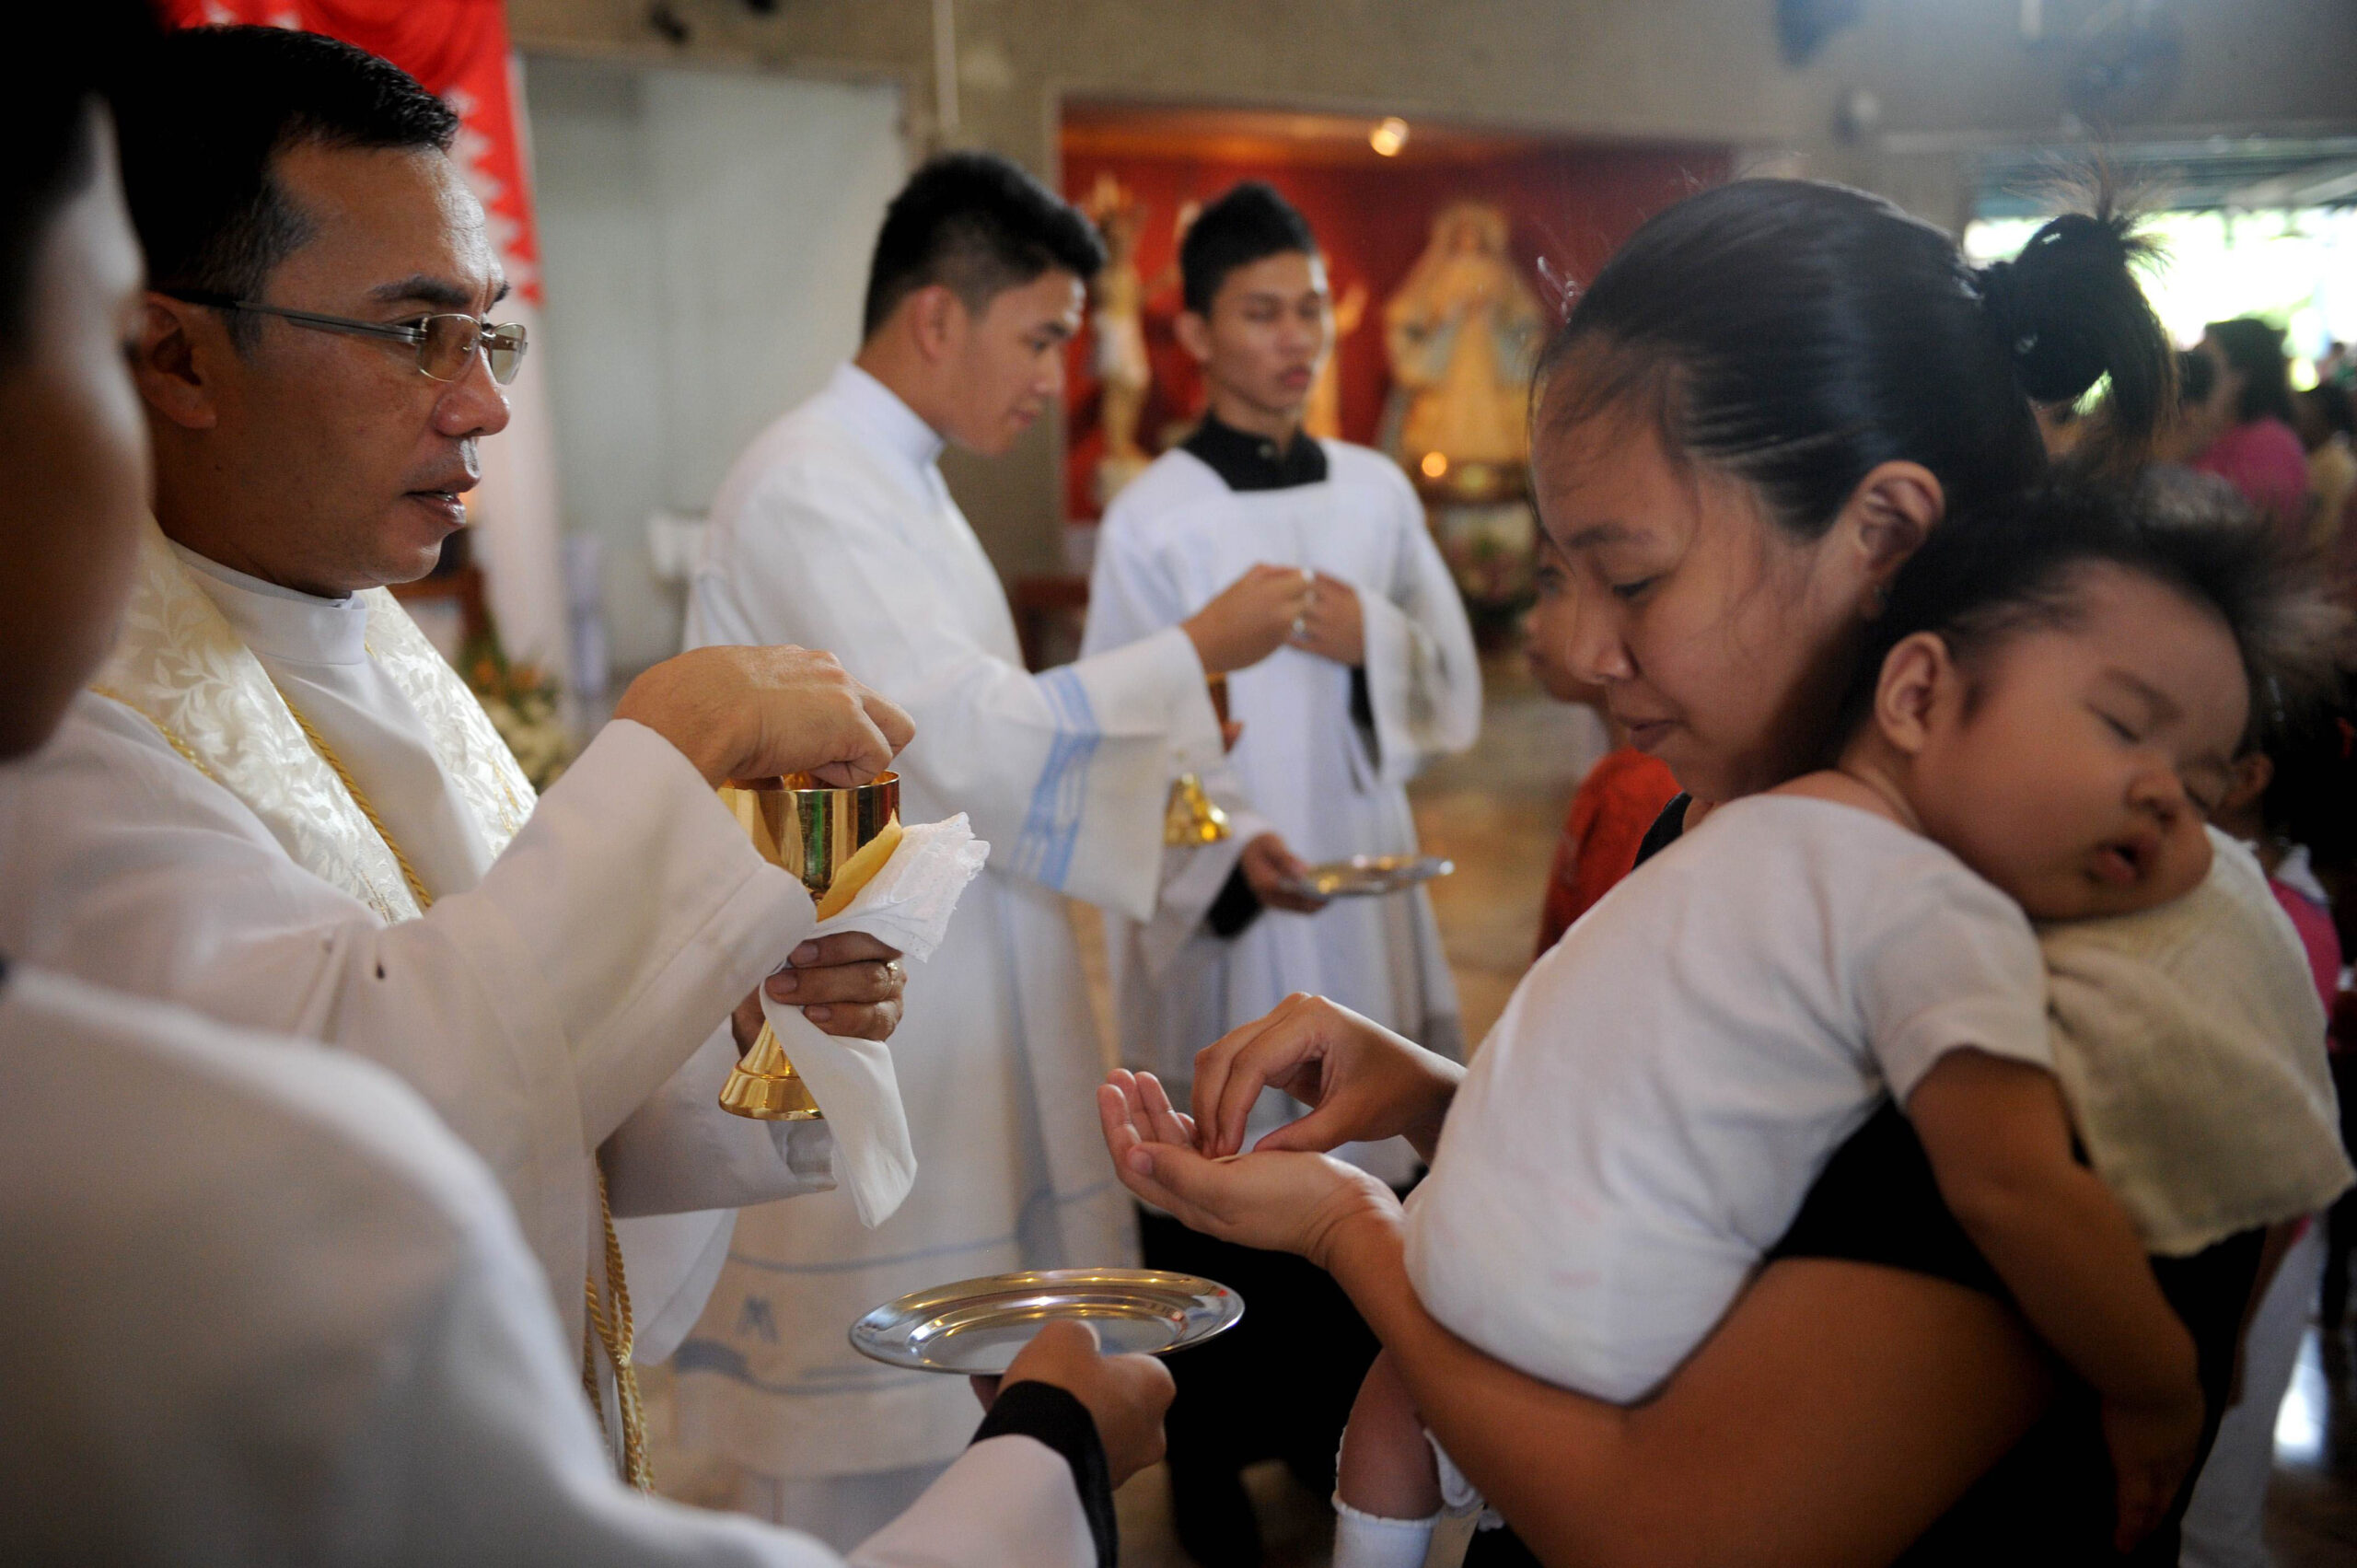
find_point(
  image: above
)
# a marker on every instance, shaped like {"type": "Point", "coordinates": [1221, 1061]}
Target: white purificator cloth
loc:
{"type": "Point", "coordinates": [907, 904]}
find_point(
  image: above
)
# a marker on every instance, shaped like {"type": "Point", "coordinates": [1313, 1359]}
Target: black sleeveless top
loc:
{"type": "Point", "coordinates": [2048, 1500]}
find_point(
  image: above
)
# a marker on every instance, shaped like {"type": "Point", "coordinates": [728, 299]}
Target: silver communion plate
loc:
{"type": "Point", "coordinates": [1366, 876]}
{"type": "Point", "coordinates": [976, 1326]}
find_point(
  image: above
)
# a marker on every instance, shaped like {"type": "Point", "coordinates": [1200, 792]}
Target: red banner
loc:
{"type": "Point", "coordinates": [458, 50]}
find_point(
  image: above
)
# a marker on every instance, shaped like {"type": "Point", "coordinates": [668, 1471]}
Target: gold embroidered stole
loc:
{"type": "Point", "coordinates": [178, 662]}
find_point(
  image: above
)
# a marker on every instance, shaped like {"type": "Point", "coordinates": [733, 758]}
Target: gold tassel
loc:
{"type": "Point", "coordinates": [617, 1333]}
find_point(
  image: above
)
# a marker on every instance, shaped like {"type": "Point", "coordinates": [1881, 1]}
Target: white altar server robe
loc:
{"type": "Point", "coordinates": [263, 1309]}
{"type": "Point", "coordinates": [552, 999]}
{"type": "Point", "coordinates": [835, 530]}
{"type": "Point", "coordinates": [1304, 767]}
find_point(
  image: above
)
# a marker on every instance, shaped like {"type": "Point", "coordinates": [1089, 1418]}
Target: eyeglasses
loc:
{"type": "Point", "coordinates": [446, 344]}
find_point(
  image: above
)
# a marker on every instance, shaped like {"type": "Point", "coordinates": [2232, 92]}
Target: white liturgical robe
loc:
{"type": "Point", "coordinates": [559, 994]}
{"type": "Point", "coordinates": [1329, 779]}
{"type": "Point", "coordinates": [263, 1309]}
{"type": "Point", "coordinates": [835, 530]}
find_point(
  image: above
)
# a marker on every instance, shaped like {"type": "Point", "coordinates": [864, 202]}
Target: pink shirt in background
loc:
{"type": "Point", "coordinates": [2313, 920]}
{"type": "Point", "coordinates": [2264, 460]}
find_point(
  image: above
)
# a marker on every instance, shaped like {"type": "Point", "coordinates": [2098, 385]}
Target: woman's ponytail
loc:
{"type": "Point", "coordinates": [2068, 311]}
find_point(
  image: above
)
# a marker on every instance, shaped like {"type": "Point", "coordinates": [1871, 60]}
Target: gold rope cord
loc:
{"type": "Point", "coordinates": [352, 787]}
{"type": "Point", "coordinates": [618, 1334]}
{"type": "Point", "coordinates": [615, 1334]}
{"type": "Point", "coordinates": [188, 752]}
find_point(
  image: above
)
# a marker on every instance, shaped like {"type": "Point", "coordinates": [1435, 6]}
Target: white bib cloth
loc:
{"type": "Point", "coordinates": [1671, 1077]}
{"type": "Point", "coordinates": [1305, 768]}
{"type": "Point", "coordinates": [264, 1308]}
{"type": "Point", "coordinates": [2190, 1043]}
{"type": "Point", "coordinates": [835, 530]}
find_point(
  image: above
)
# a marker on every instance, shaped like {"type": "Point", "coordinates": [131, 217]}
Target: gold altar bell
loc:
{"type": "Point", "coordinates": [1192, 817]}
{"type": "Point", "coordinates": [835, 839]}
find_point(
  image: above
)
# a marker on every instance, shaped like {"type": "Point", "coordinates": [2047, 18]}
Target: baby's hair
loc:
{"type": "Point", "coordinates": [2022, 565]}
{"type": "Point", "coordinates": [1797, 334]}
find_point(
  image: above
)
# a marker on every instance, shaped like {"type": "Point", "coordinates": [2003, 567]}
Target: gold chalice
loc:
{"type": "Point", "coordinates": [835, 839]}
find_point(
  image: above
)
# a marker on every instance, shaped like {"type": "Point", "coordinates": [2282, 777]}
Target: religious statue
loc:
{"type": "Point", "coordinates": [1324, 416]}
{"type": "Point", "coordinates": [1117, 329]}
{"type": "Point", "coordinates": [1462, 334]}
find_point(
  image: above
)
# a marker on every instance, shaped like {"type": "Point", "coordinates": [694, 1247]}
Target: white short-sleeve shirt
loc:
{"type": "Point", "coordinates": [1669, 1080]}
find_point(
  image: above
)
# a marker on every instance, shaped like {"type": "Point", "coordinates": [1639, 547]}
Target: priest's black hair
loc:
{"type": "Point", "coordinates": [1250, 222]}
{"type": "Point", "coordinates": [2021, 564]}
{"type": "Point", "coordinates": [49, 119]}
{"type": "Point", "coordinates": [206, 122]}
{"type": "Point", "coordinates": [1797, 334]}
{"type": "Point", "coordinates": [978, 224]}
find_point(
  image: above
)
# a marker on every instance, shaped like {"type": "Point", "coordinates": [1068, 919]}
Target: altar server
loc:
{"type": "Point", "coordinates": [835, 528]}
{"type": "Point", "coordinates": [1380, 675]}
{"type": "Point", "coordinates": [263, 1308]}
{"type": "Point", "coordinates": [278, 803]}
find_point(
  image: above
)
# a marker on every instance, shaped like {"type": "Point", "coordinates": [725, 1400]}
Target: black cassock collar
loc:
{"type": "Point", "coordinates": [1254, 463]}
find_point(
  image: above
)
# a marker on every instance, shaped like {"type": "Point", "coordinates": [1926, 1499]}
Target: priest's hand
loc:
{"type": "Point", "coordinates": [1334, 626]}
{"type": "Point", "coordinates": [757, 712]}
{"type": "Point", "coordinates": [1125, 1395]}
{"type": "Point", "coordinates": [1271, 870]}
{"type": "Point", "coordinates": [1251, 617]}
{"type": "Point", "coordinates": [849, 984]}
{"type": "Point", "coordinates": [1360, 1080]}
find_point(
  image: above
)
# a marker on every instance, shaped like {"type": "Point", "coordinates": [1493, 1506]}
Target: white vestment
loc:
{"type": "Point", "coordinates": [835, 530]}
{"type": "Point", "coordinates": [1306, 767]}
{"type": "Point", "coordinates": [183, 839]}
{"type": "Point", "coordinates": [263, 1309]}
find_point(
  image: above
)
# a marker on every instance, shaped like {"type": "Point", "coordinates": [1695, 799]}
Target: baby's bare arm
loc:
{"type": "Point", "coordinates": [1998, 1139]}
{"type": "Point", "coordinates": [1999, 1142]}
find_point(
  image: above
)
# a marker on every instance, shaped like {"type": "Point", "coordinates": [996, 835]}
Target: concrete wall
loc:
{"type": "Point", "coordinates": [1949, 75]}
{"type": "Point", "coordinates": [705, 236]}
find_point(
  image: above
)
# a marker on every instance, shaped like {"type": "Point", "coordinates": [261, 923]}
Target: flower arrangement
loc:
{"type": "Point", "coordinates": [522, 702]}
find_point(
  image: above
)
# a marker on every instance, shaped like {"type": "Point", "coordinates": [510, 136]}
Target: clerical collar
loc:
{"type": "Point", "coordinates": [878, 412]}
{"type": "Point", "coordinates": [280, 622]}
{"type": "Point", "coordinates": [1254, 463]}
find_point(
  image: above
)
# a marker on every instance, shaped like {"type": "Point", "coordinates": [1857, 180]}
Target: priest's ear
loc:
{"type": "Point", "coordinates": [936, 321]}
{"type": "Point", "coordinates": [1194, 335]}
{"type": "Point", "coordinates": [179, 361]}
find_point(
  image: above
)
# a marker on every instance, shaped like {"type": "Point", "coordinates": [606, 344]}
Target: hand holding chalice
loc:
{"type": "Point", "coordinates": [835, 841]}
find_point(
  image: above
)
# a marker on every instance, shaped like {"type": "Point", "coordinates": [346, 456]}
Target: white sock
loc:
{"type": "Point", "coordinates": [1368, 1540]}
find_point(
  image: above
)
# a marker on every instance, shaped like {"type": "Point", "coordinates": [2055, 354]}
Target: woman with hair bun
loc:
{"type": "Point", "coordinates": [2258, 450]}
{"type": "Point", "coordinates": [1760, 409]}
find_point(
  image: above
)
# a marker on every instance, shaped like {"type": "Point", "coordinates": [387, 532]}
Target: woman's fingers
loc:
{"type": "Point", "coordinates": [1274, 1055]}
{"type": "Point", "coordinates": [1214, 1064]}
{"type": "Point", "coordinates": [1162, 1118]}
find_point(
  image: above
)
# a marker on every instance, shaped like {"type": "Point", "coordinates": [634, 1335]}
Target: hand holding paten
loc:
{"type": "Point", "coordinates": [1274, 873]}
{"type": "Point", "coordinates": [1125, 1395]}
{"type": "Point", "coordinates": [1250, 618]}
{"type": "Point", "coordinates": [760, 713]}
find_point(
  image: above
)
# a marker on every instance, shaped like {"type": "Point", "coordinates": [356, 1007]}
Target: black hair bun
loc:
{"type": "Point", "coordinates": [2048, 303]}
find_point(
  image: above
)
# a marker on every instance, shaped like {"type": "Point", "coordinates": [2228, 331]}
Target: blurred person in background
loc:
{"type": "Point", "coordinates": [2327, 426]}
{"type": "Point", "coordinates": [2256, 447]}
